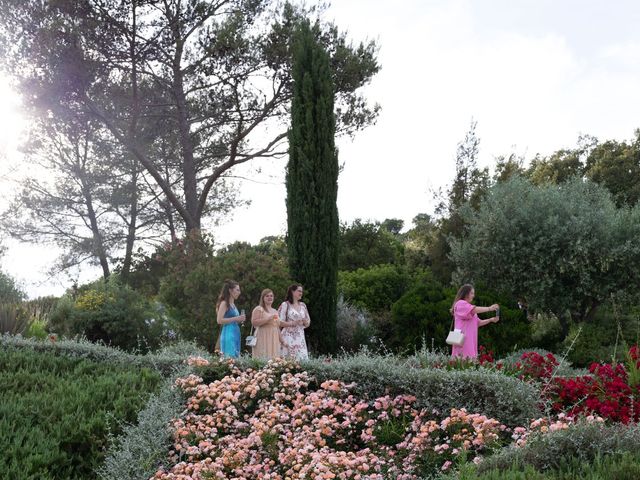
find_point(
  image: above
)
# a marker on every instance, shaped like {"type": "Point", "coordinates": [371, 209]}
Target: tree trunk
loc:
{"type": "Point", "coordinates": [189, 174]}
{"type": "Point", "coordinates": [98, 245]}
{"type": "Point", "coordinates": [133, 219]}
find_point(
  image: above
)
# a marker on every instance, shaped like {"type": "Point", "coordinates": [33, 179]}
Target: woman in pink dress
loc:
{"type": "Point", "coordinates": [466, 319]}
{"type": "Point", "coordinates": [294, 318]}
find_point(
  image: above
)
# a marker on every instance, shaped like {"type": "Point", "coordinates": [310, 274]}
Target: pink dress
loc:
{"type": "Point", "coordinates": [468, 322]}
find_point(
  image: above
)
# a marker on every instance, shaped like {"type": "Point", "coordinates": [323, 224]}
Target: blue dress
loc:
{"type": "Point", "coordinates": [230, 335]}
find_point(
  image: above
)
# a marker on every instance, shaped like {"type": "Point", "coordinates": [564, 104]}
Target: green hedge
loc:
{"type": "Point", "coordinates": [56, 412]}
{"type": "Point", "coordinates": [165, 360]}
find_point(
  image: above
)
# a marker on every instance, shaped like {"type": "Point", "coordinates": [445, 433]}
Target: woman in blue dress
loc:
{"type": "Point", "coordinates": [230, 319]}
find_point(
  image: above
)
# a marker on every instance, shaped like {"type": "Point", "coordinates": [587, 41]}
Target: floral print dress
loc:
{"type": "Point", "coordinates": [294, 344]}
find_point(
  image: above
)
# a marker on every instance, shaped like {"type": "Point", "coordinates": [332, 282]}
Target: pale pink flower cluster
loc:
{"type": "Point", "coordinates": [277, 423]}
{"type": "Point", "coordinates": [197, 361]}
{"type": "Point", "coordinates": [544, 425]}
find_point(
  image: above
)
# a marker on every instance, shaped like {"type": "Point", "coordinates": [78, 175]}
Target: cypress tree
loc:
{"type": "Point", "coordinates": [312, 188]}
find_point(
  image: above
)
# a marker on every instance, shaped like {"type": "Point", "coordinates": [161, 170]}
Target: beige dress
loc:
{"type": "Point", "coordinates": [267, 336]}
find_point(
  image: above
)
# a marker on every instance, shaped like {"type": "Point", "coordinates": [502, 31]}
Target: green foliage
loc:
{"type": "Point", "coordinates": [553, 451]}
{"type": "Point", "coordinates": [56, 412]}
{"type": "Point", "coordinates": [255, 268]}
{"type": "Point", "coordinates": [616, 166]}
{"type": "Point", "coordinates": [353, 325]}
{"type": "Point", "coordinates": [611, 466]}
{"type": "Point", "coordinates": [143, 446]}
{"type": "Point", "coordinates": [562, 249]}
{"type": "Point", "coordinates": [560, 167]}
{"type": "Point", "coordinates": [546, 331]}
{"type": "Point", "coordinates": [422, 312]}
{"type": "Point", "coordinates": [312, 186]}
{"type": "Point", "coordinates": [612, 164]}
{"type": "Point", "coordinates": [147, 271]}
{"type": "Point", "coordinates": [13, 318]}
{"type": "Point", "coordinates": [37, 329]}
{"type": "Point", "coordinates": [189, 291]}
{"type": "Point", "coordinates": [366, 244]}
{"type": "Point", "coordinates": [110, 312]}
{"type": "Point", "coordinates": [602, 338]}
{"type": "Point", "coordinates": [164, 360]}
{"type": "Point", "coordinates": [195, 276]}
{"type": "Point", "coordinates": [468, 188]}
{"type": "Point", "coordinates": [419, 241]}
{"type": "Point", "coordinates": [10, 291]}
{"type": "Point", "coordinates": [41, 308]}
{"type": "Point", "coordinates": [513, 331]}
{"type": "Point", "coordinates": [375, 288]}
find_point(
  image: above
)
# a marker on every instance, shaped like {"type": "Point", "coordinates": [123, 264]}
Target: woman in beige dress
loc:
{"type": "Point", "coordinates": [264, 319]}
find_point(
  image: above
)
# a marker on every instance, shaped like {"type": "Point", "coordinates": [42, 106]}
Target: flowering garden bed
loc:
{"type": "Point", "coordinates": [279, 422]}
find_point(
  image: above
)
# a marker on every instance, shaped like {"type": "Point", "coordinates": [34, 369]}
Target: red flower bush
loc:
{"type": "Point", "coordinates": [606, 392]}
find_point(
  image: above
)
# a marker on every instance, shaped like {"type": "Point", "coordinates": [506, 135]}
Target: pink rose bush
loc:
{"type": "Point", "coordinates": [541, 426]}
{"type": "Point", "coordinates": [277, 423]}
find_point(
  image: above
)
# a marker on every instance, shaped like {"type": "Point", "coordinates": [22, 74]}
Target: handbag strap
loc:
{"type": "Point", "coordinates": [453, 317]}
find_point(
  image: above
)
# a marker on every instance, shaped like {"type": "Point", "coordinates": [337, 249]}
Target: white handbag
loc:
{"type": "Point", "coordinates": [252, 339]}
{"type": "Point", "coordinates": [455, 337]}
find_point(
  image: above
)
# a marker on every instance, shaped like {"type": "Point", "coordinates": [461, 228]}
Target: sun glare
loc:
{"type": "Point", "coordinates": [12, 121]}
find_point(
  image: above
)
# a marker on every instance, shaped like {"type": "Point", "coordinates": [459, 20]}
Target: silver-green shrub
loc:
{"type": "Point", "coordinates": [142, 448]}
{"type": "Point", "coordinates": [583, 441]}
{"type": "Point", "coordinates": [164, 360]}
{"type": "Point", "coordinates": [505, 398]}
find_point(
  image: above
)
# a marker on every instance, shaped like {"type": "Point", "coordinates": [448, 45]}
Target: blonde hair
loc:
{"type": "Point", "coordinates": [264, 293]}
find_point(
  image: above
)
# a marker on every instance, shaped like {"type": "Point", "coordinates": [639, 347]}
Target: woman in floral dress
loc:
{"type": "Point", "coordinates": [294, 318]}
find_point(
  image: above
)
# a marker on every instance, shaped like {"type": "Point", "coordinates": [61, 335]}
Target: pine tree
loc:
{"type": "Point", "coordinates": [312, 188]}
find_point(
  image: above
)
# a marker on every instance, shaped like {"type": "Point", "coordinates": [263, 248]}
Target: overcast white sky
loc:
{"type": "Point", "coordinates": [535, 74]}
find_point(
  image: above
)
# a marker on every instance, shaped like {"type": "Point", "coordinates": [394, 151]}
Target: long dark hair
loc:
{"type": "Point", "coordinates": [290, 290]}
{"type": "Point", "coordinates": [463, 292]}
{"type": "Point", "coordinates": [225, 293]}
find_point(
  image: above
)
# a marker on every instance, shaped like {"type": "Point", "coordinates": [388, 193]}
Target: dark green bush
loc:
{"type": "Point", "coordinates": [599, 340]}
{"type": "Point", "coordinates": [195, 276]}
{"type": "Point", "coordinates": [512, 332]}
{"type": "Point", "coordinates": [56, 412]}
{"type": "Point", "coordinates": [375, 288]}
{"type": "Point", "coordinates": [112, 313]}
{"type": "Point", "coordinates": [364, 244]}
{"type": "Point", "coordinates": [423, 312]}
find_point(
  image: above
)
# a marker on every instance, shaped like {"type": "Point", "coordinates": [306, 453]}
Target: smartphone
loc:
{"type": "Point", "coordinates": [498, 312]}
